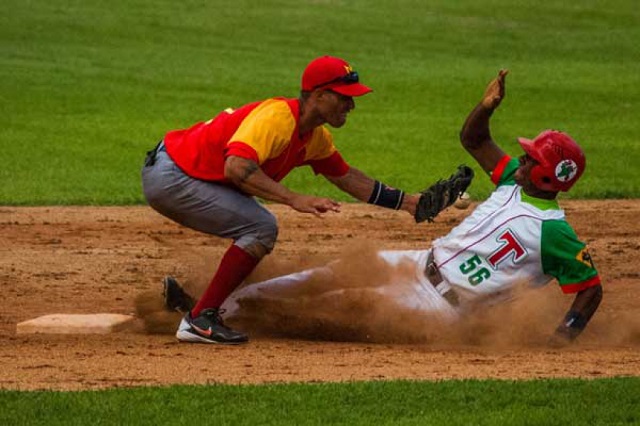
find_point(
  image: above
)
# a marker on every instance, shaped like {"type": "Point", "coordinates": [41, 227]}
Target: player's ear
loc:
{"type": "Point", "coordinates": [317, 97]}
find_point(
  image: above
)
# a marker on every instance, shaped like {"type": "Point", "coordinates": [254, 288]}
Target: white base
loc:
{"type": "Point", "coordinates": [74, 324]}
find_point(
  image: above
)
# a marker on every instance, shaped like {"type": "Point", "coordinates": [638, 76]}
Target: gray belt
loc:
{"type": "Point", "coordinates": [434, 276]}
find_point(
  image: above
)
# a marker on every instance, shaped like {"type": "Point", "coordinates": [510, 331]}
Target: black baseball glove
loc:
{"type": "Point", "coordinates": [442, 194]}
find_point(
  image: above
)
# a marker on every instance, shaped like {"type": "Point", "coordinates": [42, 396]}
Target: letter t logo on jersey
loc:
{"type": "Point", "coordinates": [510, 247]}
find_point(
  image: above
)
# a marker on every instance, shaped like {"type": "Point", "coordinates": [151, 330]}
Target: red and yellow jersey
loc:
{"type": "Point", "coordinates": [265, 132]}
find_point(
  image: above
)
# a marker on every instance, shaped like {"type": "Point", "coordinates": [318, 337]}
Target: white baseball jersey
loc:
{"type": "Point", "coordinates": [512, 239]}
{"type": "Point", "coordinates": [509, 239]}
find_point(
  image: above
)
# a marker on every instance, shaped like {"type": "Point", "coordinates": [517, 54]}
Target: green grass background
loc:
{"type": "Point", "coordinates": [470, 402]}
{"type": "Point", "coordinates": [88, 86]}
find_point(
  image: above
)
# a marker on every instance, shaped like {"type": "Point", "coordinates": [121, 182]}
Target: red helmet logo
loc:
{"type": "Point", "coordinates": [560, 160]}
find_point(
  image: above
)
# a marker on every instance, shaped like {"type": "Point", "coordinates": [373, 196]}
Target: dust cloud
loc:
{"type": "Point", "coordinates": [341, 306]}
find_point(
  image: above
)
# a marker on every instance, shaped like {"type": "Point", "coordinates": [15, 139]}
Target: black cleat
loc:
{"type": "Point", "coordinates": [175, 298]}
{"type": "Point", "coordinates": [208, 328]}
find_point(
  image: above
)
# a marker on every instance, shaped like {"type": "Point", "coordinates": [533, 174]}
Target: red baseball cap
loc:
{"type": "Point", "coordinates": [331, 73]}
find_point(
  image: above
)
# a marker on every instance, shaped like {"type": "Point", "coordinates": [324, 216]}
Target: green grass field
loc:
{"type": "Point", "coordinates": [88, 86]}
{"type": "Point", "coordinates": [543, 402]}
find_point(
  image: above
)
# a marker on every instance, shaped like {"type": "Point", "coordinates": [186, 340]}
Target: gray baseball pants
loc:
{"type": "Point", "coordinates": [206, 206]}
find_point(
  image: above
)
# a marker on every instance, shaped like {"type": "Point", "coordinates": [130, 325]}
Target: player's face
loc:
{"type": "Point", "coordinates": [334, 108]}
{"type": "Point", "coordinates": [522, 177]}
{"type": "Point", "coordinates": [523, 174]}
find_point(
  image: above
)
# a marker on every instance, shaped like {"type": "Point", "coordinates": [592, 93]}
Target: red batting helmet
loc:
{"type": "Point", "coordinates": [560, 160]}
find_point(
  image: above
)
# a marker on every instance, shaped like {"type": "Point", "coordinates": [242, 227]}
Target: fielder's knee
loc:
{"type": "Point", "coordinates": [262, 241]}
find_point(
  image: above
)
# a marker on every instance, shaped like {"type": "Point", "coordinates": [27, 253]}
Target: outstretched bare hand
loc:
{"type": "Point", "coordinates": [494, 93]}
{"type": "Point", "coordinates": [315, 205]}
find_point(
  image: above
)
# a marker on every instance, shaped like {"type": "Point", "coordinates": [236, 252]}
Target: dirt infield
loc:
{"type": "Point", "coordinates": [103, 260]}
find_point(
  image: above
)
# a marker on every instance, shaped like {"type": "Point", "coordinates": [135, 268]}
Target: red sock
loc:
{"type": "Point", "coordinates": [235, 266]}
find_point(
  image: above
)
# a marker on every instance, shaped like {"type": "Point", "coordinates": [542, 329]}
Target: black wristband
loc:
{"type": "Point", "coordinates": [385, 196]}
{"type": "Point", "coordinates": [574, 323]}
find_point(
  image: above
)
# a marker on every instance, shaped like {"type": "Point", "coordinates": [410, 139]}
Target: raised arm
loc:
{"type": "Point", "coordinates": [475, 135]}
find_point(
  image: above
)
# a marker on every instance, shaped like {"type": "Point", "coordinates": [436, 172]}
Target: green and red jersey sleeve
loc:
{"type": "Point", "coordinates": [503, 173]}
{"type": "Point", "coordinates": [566, 258]}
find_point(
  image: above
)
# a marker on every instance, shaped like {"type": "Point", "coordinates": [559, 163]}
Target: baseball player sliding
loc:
{"type": "Point", "coordinates": [206, 178]}
{"type": "Point", "coordinates": [519, 235]}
